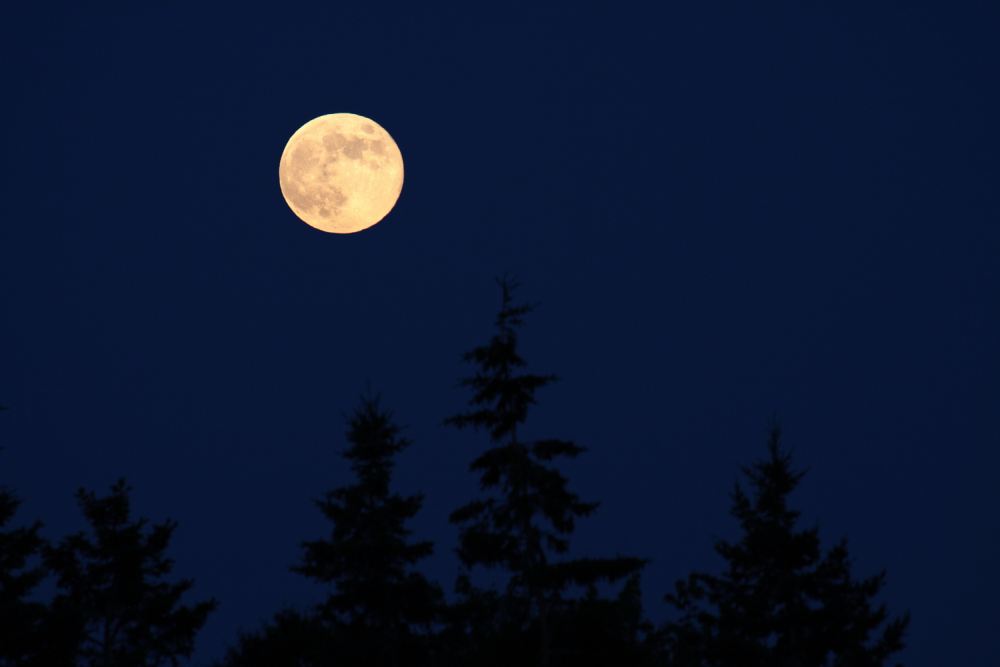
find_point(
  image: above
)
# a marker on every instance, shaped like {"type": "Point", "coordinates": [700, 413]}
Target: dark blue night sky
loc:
{"type": "Point", "coordinates": [727, 211]}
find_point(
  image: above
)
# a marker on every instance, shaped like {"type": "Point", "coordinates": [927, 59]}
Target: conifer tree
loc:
{"type": "Point", "coordinates": [381, 608]}
{"type": "Point", "coordinates": [522, 523]}
{"type": "Point", "coordinates": [781, 601]}
{"type": "Point", "coordinates": [30, 634]}
{"type": "Point", "coordinates": [605, 631]}
{"type": "Point", "coordinates": [113, 588]}
{"type": "Point", "coordinates": [21, 619]}
{"type": "Point", "coordinates": [292, 639]}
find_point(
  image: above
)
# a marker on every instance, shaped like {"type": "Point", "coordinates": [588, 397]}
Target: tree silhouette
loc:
{"type": "Point", "coordinates": [30, 634]}
{"type": "Point", "coordinates": [21, 619]}
{"type": "Point", "coordinates": [608, 631]}
{"type": "Point", "coordinates": [781, 601]}
{"type": "Point", "coordinates": [381, 607]}
{"type": "Point", "coordinates": [522, 524]}
{"type": "Point", "coordinates": [113, 588]}
{"type": "Point", "coordinates": [292, 639]}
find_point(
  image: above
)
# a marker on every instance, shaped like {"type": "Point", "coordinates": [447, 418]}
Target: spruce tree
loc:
{"type": "Point", "coordinates": [781, 601]}
{"type": "Point", "coordinates": [292, 639]}
{"type": "Point", "coordinates": [522, 523]}
{"type": "Point", "coordinates": [380, 608]}
{"type": "Point", "coordinates": [21, 618]}
{"type": "Point", "coordinates": [113, 588]}
{"type": "Point", "coordinates": [30, 634]}
{"type": "Point", "coordinates": [605, 631]}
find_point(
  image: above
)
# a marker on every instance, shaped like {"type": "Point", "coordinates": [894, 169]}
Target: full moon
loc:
{"type": "Point", "coordinates": [341, 173]}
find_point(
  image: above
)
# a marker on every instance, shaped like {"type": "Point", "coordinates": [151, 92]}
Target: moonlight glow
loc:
{"type": "Point", "coordinates": [341, 173]}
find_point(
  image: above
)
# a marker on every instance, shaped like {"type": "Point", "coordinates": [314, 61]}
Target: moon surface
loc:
{"type": "Point", "coordinates": [341, 173]}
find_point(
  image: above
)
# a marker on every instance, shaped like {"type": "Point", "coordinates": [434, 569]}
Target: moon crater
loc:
{"type": "Point", "coordinates": [341, 173]}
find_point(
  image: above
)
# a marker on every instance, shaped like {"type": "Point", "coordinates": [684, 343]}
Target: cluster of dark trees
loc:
{"type": "Point", "coordinates": [114, 603]}
{"type": "Point", "coordinates": [781, 599]}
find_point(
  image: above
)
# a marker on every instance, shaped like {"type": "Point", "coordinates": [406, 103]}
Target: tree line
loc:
{"type": "Point", "coordinates": [520, 597]}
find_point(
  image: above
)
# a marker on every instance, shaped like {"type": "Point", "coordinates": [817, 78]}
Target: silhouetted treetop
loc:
{"type": "Point", "coordinates": [501, 395]}
{"type": "Point", "coordinates": [379, 601]}
{"type": "Point", "coordinates": [21, 618]}
{"type": "Point", "coordinates": [113, 587]}
{"type": "Point", "coordinates": [781, 600]}
{"type": "Point", "coordinates": [522, 522]}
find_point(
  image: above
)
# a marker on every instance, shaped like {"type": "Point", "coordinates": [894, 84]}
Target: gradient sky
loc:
{"type": "Point", "coordinates": [725, 211]}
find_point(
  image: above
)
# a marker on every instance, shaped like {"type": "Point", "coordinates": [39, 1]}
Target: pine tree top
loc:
{"type": "Point", "coordinates": [374, 441]}
{"type": "Point", "coordinates": [781, 599]}
{"type": "Point", "coordinates": [528, 511]}
{"type": "Point", "coordinates": [501, 394]}
{"type": "Point", "coordinates": [112, 580]}
{"type": "Point", "coordinates": [367, 555]}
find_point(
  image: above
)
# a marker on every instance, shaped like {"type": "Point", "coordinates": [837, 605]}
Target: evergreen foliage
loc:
{"type": "Point", "coordinates": [21, 618]}
{"type": "Point", "coordinates": [522, 598]}
{"type": "Point", "coordinates": [781, 601]}
{"type": "Point", "coordinates": [292, 639]}
{"type": "Point", "coordinates": [380, 605]}
{"type": "Point", "coordinates": [522, 523]}
{"type": "Point", "coordinates": [113, 589]}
